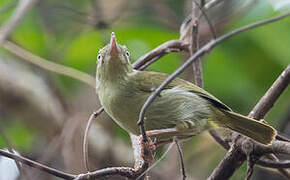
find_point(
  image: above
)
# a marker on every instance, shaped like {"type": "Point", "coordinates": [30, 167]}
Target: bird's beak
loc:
{"type": "Point", "coordinates": [114, 47]}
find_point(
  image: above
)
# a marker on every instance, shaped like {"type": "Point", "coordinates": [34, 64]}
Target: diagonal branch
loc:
{"type": "Point", "coordinates": [48, 65]}
{"type": "Point", "coordinates": [268, 100]}
{"type": "Point", "coordinates": [235, 156]}
{"type": "Point", "coordinates": [158, 52]}
{"type": "Point", "coordinates": [205, 49]}
{"type": "Point", "coordinates": [22, 8]}
{"type": "Point", "coordinates": [37, 165]}
{"type": "Point", "coordinates": [120, 171]}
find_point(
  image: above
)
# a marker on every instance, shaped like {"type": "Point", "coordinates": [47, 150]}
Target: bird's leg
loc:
{"type": "Point", "coordinates": [159, 132]}
{"type": "Point", "coordinates": [148, 147]}
{"type": "Point", "coordinates": [163, 142]}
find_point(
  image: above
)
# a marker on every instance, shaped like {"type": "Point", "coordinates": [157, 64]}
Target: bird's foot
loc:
{"type": "Point", "coordinates": [147, 148]}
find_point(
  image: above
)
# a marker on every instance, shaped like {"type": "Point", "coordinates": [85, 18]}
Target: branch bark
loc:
{"type": "Point", "coordinates": [235, 156]}
{"type": "Point", "coordinates": [201, 52]}
{"type": "Point", "coordinates": [144, 61]}
{"type": "Point", "coordinates": [49, 65]}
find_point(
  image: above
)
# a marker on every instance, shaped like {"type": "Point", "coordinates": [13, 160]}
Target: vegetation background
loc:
{"type": "Point", "coordinates": [43, 114]}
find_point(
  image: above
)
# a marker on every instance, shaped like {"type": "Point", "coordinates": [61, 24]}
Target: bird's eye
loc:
{"type": "Point", "coordinates": [127, 53]}
{"type": "Point", "coordinates": [99, 57]}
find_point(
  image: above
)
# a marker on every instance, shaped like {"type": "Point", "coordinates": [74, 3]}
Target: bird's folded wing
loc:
{"type": "Point", "coordinates": [148, 81]}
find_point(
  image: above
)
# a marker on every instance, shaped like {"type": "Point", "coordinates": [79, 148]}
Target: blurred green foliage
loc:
{"type": "Point", "coordinates": [238, 72]}
{"type": "Point", "coordinates": [18, 133]}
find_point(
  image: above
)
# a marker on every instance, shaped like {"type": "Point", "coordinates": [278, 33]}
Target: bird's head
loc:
{"type": "Point", "coordinates": [113, 62]}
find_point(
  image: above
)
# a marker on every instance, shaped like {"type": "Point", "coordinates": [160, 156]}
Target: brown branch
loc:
{"type": "Point", "coordinates": [117, 171]}
{"type": "Point", "coordinates": [48, 65]}
{"type": "Point", "coordinates": [194, 45]}
{"type": "Point", "coordinates": [268, 100]}
{"type": "Point", "coordinates": [155, 54]}
{"type": "Point", "coordinates": [284, 172]}
{"type": "Point", "coordinates": [234, 154]}
{"type": "Point", "coordinates": [120, 171]}
{"type": "Point", "coordinates": [37, 165]}
{"type": "Point", "coordinates": [205, 49]}
{"type": "Point", "coordinates": [22, 8]}
{"type": "Point", "coordinates": [235, 157]}
{"type": "Point", "coordinates": [181, 160]}
{"type": "Point", "coordinates": [85, 140]}
{"type": "Point", "coordinates": [161, 50]}
{"type": "Point", "coordinates": [273, 163]}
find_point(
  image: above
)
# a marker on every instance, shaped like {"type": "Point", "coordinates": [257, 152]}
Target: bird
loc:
{"type": "Point", "coordinates": [182, 110]}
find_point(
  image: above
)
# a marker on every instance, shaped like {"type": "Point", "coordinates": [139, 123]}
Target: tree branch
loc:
{"type": "Point", "coordinates": [235, 157]}
{"type": "Point", "coordinates": [159, 51]}
{"type": "Point", "coordinates": [144, 61]}
{"type": "Point", "coordinates": [268, 100]}
{"type": "Point", "coordinates": [49, 65]}
{"type": "Point", "coordinates": [205, 49]}
{"type": "Point", "coordinates": [85, 140]}
{"type": "Point", "coordinates": [273, 164]}
{"type": "Point", "coordinates": [182, 166]}
{"type": "Point", "coordinates": [37, 165]}
{"type": "Point", "coordinates": [120, 171]}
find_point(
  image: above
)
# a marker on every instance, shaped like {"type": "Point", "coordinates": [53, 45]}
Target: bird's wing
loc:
{"type": "Point", "coordinates": [151, 80]}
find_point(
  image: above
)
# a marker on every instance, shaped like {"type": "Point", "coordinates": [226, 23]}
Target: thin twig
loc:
{"type": "Point", "coordinates": [211, 27]}
{"type": "Point", "coordinates": [250, 167]}
{"type": "Point", "coordinates": [37, 165]}
{"type": "Point", "coordinates": [273, 163]}
{"type": "Point", "coordinates": [119, 171]}
{"type": "Point", "coordinates": [10, 147]}
{"type": "Point", "coordinates": [194, 46]}
{"type": "Point", "coordinates": [85, 140]}
{"type": "Point", "coordinates": [156, 162]}
{"type": "Point", "coordinates": [22, 8]}
{"type": "Point", "coordinates": [188, 21]}
{"type": "Point", "coordinates": [285, 172]}
{"type": "Point", "coordinates": [223, 173]}
{"type": "Point", "coordinates": [181, 160]}
{"type": "Point", "coordinates": [251, 26]}
{"type": "Point", "coordinates": [205, 49]}
{"type": "Point", "coordinates": [235, 157]}
{"type": "Point", "coordinates": [160, 51]}
{"type": "Point", "coordinates": [48, 65]}
{"type": "Point", "coordinates": [267, 101]}
{"type": "Point", "coordinates": [197, 66]}
{"type": "Point", "coordinates": [116, 170]}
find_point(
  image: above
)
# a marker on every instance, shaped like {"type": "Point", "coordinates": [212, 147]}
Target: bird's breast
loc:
{"type": "Point", "coordinates": [122, 106]}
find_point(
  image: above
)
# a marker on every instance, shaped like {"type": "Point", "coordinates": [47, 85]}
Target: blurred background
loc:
{"type": "Point", "coordinates": [43, 114]}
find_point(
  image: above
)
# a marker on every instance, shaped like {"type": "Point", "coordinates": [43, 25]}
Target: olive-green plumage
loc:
{"type": "Point", "coordinates": [182, 107]}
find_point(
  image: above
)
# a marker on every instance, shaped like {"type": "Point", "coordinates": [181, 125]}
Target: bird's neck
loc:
{"type": "Point", "coordinates": [114, 75]}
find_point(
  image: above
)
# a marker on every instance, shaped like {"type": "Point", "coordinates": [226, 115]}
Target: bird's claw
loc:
{"type": "Point", "coordinates": [147, 147]}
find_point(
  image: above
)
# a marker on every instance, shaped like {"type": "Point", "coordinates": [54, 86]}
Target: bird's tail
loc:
{"type": "Point", "coordinates": [252, 128]}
